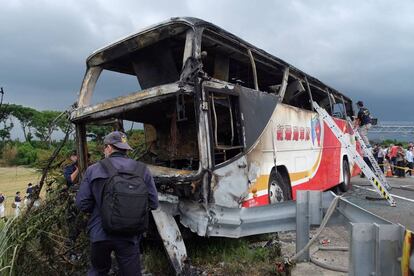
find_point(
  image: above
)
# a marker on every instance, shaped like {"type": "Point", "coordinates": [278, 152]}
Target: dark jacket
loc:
{"type": "Point", "coordinates": [67, 172]}
{"type": "Point", "coordinates": [364, 116]}
{"type": "Point", "coordinates": [89, 197]}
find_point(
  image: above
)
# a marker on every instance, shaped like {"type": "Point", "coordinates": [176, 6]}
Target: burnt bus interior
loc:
{"type": "Point", "coordinates": [228, 61]}
{"type": "Point", "coordinates": [170, 131]}
{"type": "Point", "coordinates": [169, 123]}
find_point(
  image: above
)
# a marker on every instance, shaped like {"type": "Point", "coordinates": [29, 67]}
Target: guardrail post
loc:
{"type": "Point", "coordinates": [308, 212]}
{"type": "Point", "coordinates": [362, 248]}
{"type": "Point", "coordinates": [302, 223]}
{"type": "Point", "coordinates": [388, 249]}
{"type": "Point", "coordinates": [375, 249]}
{"type": "Point", "coordinates": [315, 207]}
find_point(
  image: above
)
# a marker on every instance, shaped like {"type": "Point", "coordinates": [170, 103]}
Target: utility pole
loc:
{"type": "Point", "coordinates": [2, 94]}
{"type": "Point", "coordinates": [1, 102]}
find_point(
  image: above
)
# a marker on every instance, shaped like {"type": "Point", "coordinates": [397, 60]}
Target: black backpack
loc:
{"type": "Point", "coordinates": [124, 206]}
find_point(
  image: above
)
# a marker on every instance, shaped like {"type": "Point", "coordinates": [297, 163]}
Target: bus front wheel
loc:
{"type": "Point", "coordinates": [346, 174]}
{"type": "Point", "coordinates": [278, 189]}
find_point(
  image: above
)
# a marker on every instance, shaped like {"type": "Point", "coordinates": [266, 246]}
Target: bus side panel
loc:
{"type": "Point", "coordinates": [313, 158]}
{"type": "Point", "coordinates": [289, 133]}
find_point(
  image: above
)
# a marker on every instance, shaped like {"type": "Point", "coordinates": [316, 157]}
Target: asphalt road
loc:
{"type": "Point", "coordinates": [403, 213]}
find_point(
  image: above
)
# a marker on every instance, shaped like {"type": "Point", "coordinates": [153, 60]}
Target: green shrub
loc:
{"type": "Point", "coordinates": [26, 154]}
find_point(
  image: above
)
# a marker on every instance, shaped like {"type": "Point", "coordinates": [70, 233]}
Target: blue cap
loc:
{"type": "Point", "coordinates": [117, 139]}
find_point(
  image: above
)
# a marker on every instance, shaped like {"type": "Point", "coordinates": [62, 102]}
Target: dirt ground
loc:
{"type": "Point", "coordinates": [13, 179]}
{"type": "Point", "coordinates": [330, 237]}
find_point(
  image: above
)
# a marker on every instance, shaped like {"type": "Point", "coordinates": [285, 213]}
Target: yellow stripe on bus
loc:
{"type": "Point", "coordinates": [301, 175]}
{"type": "Point", "coordinates": [262, 182]}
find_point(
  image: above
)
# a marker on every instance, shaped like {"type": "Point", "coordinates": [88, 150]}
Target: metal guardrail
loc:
{"type": "Point", "coordinates": [375, 243]}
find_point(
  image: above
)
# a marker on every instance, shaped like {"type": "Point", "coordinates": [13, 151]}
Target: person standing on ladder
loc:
{"type": "Point", "coordinates": [364, 122]}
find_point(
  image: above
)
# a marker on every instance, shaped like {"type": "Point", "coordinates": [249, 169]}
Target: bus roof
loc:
{"type": "Point", "coordinates": [178, 24]}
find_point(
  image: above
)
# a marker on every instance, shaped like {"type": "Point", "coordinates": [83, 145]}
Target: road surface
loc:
{"type": "Point", "coordinates": [402, 191]}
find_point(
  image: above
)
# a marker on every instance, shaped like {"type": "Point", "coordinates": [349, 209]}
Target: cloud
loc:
{"type": "Point", "coordinates": [363, 49]}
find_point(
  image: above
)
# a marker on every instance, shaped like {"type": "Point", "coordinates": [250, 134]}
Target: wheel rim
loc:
{"type": "Point", "coordinates": [276, 193]}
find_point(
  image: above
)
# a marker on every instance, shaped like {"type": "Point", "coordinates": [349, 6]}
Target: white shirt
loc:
{"type": "Point", "coordinates": [409, 156]}
{"type": "Point", "coordinates": [381, 153]}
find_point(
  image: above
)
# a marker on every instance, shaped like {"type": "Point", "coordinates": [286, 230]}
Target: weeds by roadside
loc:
{"type": "Point", "coordinates": [258, 255]}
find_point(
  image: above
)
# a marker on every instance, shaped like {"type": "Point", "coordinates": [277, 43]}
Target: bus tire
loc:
{"type": "Point", "coordinates": [346, 173]}
{"type": "Point", "coordinates": [278, 188]}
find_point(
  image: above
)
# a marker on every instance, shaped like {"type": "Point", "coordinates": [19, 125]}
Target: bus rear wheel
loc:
{"type": "Point", "coordinates": [278, 189]}
{"type": "Point", "coordinates": [346, 174]}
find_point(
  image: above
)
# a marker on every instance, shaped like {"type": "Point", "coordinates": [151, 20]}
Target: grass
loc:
{"type": "Point", "coordinates": [37, 243]}
{"type": "Point", "coordinates": [13, 179]}
{"type": "Point", "coordinates": [222, 256]}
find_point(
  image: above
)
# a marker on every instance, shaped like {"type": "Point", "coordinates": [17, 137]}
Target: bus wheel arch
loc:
{"type": "Point", "coordinates": [345, 185]}
{"type": "Point", "coordinates": [279, 189]}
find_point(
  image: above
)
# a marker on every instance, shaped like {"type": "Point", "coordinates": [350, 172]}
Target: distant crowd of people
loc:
{"type": "Point", "coordinates": [394, 158]}
{"type": "Point", "coordinates": [17, 203]}
{"type": "Point", "coordinates": [397, 160]}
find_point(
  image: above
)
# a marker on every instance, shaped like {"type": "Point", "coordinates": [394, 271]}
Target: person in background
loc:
{"type": "Point", "coordinates": [375, 152]}
{"type": "Point", "coordinates": [409, 158]}
{"type": "Point", "coordinates": [392, 154]}
{"type": "Point", "coordinates": [28, 196]}
{"type": "Point", "coordinates": [381, 156]}
{"type": "Point", "coordinates": [74, 219]}
{"type": "Point", "coordinates": [17, 203]}
{"type": "Point", "coordinates": [29, 189]}
{"type": "Point", "coordinates": [71, 172]}
{"type": "Point", "coordinates": [400, 161]}
{"type": "Point", "coordinates": [2, 208]}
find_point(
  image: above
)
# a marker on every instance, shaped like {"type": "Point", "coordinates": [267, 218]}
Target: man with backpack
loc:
{"type": "Point", "coordinates": [119, 192]}
{"type": "Point", "coordinates": [364, 122]}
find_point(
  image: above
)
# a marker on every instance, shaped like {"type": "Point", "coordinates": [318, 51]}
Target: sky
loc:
{"type": "Point", "coordinates": [362, 48]}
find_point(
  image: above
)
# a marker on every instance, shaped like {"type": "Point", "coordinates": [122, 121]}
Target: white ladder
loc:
{"type": "Point", "coordinates": [367, 152]}
{"type": "Point", "coordinates": [371, 176]}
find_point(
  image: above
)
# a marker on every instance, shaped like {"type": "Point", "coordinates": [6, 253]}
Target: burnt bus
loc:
{"type": "Point", "coordinates": [229, 129]}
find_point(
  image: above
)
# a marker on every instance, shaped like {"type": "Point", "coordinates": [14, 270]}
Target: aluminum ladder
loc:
{"type": "Point", "coordinates": [358, 159]}
{"type": "Point", "coordinates": [368, 153]}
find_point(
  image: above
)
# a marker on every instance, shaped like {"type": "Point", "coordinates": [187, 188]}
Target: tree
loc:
{"type": "Point", "coordinates": [25, 115]}
{"type": "Point", "coordinates": [98, 132]}
{"type": "Point", "coordinates": [6, 122]}
{"type": "Point", "coordinates": [5, 130]}
{"type": "Point", "coordinates": [44, 125]}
